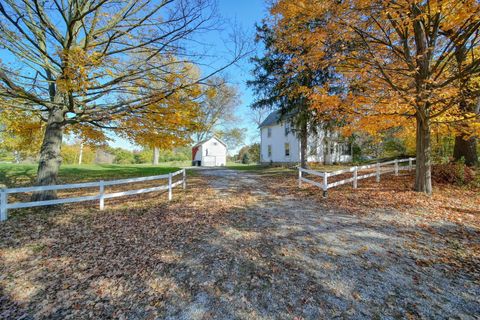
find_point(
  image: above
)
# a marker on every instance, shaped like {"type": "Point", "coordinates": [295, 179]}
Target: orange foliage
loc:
{"type": "Point", "coordinates": [372, 44]}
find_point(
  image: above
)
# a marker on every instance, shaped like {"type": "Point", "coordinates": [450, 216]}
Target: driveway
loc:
{"type": "Point", "coordinates": [230, 247]}
{"type": "Point", "coordinates": [296, 257]}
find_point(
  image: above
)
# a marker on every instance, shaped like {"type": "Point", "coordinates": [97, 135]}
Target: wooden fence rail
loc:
{"type": "Point", "coordinates": [380, 168]}
{"type": "Point", "coordinates": [101, 196]}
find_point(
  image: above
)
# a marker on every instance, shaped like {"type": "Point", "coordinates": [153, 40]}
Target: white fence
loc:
{"type": "Point", "coordinates": [101, 196]}
{"type": "Point", "coordinates": [380, 168]}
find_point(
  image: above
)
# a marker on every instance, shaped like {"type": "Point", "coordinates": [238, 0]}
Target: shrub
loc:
{"type": "Point", "coordinates": [245, 158]}
{"type": "Point", "coordinates": [453, 173]}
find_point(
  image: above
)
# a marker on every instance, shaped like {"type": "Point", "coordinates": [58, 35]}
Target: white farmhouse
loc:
{"type": "Point", "coordinates": [209, 153]}
{"type": "Point", "coordinates": [280, 144]}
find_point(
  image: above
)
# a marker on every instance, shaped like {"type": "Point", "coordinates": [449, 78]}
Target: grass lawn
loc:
{"type": "Point", "coordinates": [13, 175]}
{"type": "Point", "coordinates": [245, 167]}
{"type": "Point", "coordinates": [328, 168]}
{"type": "Point", "coordinates": [258, 168]}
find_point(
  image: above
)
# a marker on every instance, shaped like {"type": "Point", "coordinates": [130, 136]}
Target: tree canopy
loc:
{"type": "Point", "coordinates": [87, 65]}
{"type": "Point", "coordinates": [398, 59]}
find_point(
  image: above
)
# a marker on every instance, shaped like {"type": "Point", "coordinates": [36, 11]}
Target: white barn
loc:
{"type": "Point", "coordinates": [280, 144]}
{"type": "Point", "coordinates": [211, 152]}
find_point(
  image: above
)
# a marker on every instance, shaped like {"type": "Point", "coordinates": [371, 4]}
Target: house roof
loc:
{"type": "Point", "coordinates": [274, 118]}
{"type": "Point", "coordinates": [213, 137]}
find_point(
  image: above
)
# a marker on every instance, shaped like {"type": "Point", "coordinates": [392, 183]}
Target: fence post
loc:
{"type": "Point", "coordinates": [169, 186]}
{"type": "Point", "coordinates": [396, 167]}
{"type": "Point", "coordinates": [378, 172]}
{"type": "Point", "coordinates": [355, 175]}
{"type": "Point", "coordinates": [325, 184]}
{"type": "Point", "coordinates": [3, 205]}
{"type": "Point", "coordinates": [299, 177]}
{"type": "Point", "coordinates": [410, 165]}
{"type": "Point", "coordinates": [102, 194]}
{"type": "Point", "coordinates": [184, 179]}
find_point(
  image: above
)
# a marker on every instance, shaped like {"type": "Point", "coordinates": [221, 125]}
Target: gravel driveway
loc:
{"type": "Point", "coordinates": [315, 262]}
{"type": "Point", "coordinates": [228, 248]}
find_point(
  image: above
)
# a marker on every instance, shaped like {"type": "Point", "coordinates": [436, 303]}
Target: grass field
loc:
{"type": "Point", "coordinates": [244, 167]}
{"type": "Point", "coordinates": [13, 175]}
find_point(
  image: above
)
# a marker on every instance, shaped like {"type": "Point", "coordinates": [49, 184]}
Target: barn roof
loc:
{"type": "Point", "coordinates": [213, 137]}
{"type": "Point", "coordinates": [274, 118]}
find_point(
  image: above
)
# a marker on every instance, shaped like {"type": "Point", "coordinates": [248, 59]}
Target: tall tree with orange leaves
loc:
{"type": "Point", "coordinates": [396, 57]}
{"type": "Point", "coordinates": [281, 82]}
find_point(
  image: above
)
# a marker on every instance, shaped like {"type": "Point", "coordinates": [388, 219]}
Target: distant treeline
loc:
{"type": "Point", "coordinates": [76, 154]}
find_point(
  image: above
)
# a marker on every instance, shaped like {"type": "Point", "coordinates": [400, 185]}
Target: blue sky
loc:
{"type": "Point", "coordinates": [244, 14]}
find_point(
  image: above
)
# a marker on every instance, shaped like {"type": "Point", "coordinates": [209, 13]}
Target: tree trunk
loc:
{"type": "Point", "coordinates": [156, 155]}
{"type": "Point", "coordinates": [303, 145]}
{"type": "Point", "coordinates": [466, 149]}
{"type": "Point", "coordinates": [423, 174]}
{"type": "Point", "coordinates": [327, 158]}
{"type": "Point", "coordinates": [80, 156]}
{"type": "Point", "coordinates": [16, 156]}
{"type": "Point", "coordinates": [50, 158]}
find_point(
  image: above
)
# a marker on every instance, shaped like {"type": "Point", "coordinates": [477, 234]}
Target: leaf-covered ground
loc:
{"type": "Point", "coordinates": [240, 245]}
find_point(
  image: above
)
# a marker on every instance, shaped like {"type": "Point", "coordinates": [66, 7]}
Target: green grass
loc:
{"type": "Point", "coordinates": [13, 175]}
{"type": "Point", "coordinates": [261, 169]}
{"type": "Point", "coordinates": [328, 168]}
{"type": "Point", "coordinates": [245, 167]}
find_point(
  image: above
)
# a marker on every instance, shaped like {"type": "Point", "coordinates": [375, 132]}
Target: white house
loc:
{"type": "Point", "coordinates": [280, 144]}
{"type": "Point", "coordinates": [209, 153]}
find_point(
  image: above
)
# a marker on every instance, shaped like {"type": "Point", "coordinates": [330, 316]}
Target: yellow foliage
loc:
{"type": "Point", "coordinates": [20, 131]}
{"type": "Point", "coordinates": [171, 113]}
{"type": "Point", "coordinates": [78, 64]}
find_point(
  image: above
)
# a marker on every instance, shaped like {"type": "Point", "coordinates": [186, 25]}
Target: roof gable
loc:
{"type": "Point", "coordinates": [211, 138]}
{"type": "Point", "coordinates": [274, 118]}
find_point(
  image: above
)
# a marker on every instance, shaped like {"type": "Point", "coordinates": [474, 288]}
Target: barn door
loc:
{"type": "Point", "coordinates": [209, 161]}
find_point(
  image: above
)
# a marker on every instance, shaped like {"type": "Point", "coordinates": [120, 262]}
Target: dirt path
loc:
{"type": "Point", "coordinates": [229, 247]}
{"type": "Point", "coordinates": [314, 262]}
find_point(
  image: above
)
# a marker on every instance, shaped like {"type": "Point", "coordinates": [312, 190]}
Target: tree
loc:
{"type": "Point", "coordinates": [71, 153]}
{"type": "Point", "coordinates": [248, 154]}
{"type": "Point", "coordinates": [258, 115]}
{"type": "Point", "coordinates": [279, 84]}
{"type": "Point", "coordinates": [398, 61]}
{"type": "Point", "coordinates": [168, 123]}
{"type": "Point", "coordinates": [217, 108]}
{"type": "Point", "coordinates": [122, 156]}
{"type": "Point", "coordinates": [254, 152]}
{"type": "Point", "coordinates": [245, 158]}
{"type": "Point", "coordinates": [233, 137]}
{"type": "Point", "coordinates": [20, 133]}
{"type": "Point", "coordinates": [87, 64]}
{"type": "Point", "coordinates": [469, 100]}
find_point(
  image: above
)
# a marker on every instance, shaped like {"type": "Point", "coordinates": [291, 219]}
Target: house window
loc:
{"type": "Point", "coordinates": [269, 150]}
{"type": "Point", "coordinates": [287, 129]}
{"type": "Point", "coordinates": [313, 148]}
{"type": "Point", "coordinates": [346, 149]}
{"type": "Point", "coordinates": [206, 152]}
{"type": "Point", "coordinates": [287, 150]}
{"type": "Point", "coordinates": [269, 132]}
